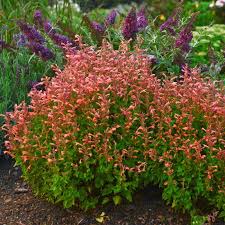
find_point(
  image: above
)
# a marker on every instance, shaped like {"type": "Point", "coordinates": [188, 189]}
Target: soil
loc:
{"type": "Point", "coordinates": [18, 206]}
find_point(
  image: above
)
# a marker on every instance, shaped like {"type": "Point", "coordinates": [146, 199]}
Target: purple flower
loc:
{"type": "Point", "coordinates": [32, 84]}
{"type": "Point", "coordinates": [61, 40]}
{"type": "Point", "coordinates": [142, 20]}
{"type": "Point", "coordinates": [94, 29]}
{"type": "Point", "coordinates": [152, 59]}
{"type": "Point", "coordinates": [168, 26]}
{"type": "Point", "coordinates": [183, 40]}
{"type": "Point", "coordinates": [48, 28]}
{"type": "Point", "coordinates": [129, 28]}
{"type": "Point", "coordinates": [185, 36]}
{"type": "Point", "coordinates": [111, 18]}
{"type": "Point", "coordinates": [38, 18]}
{"type": "Point", "coordinates": [31, 33]}
{"type": "Point", "coordinates": [98, 27]}
{"type": "Point", "coordinates": [57, 38]}
{"type": "Point", "coordinates": [40, 50]}
{"type": "Point", "coordinates": [171, 22]}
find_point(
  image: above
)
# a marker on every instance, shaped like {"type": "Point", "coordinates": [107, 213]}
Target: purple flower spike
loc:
{"type": "Point", "coordinates": [171, 22]}
{"type": "Point", "coordinates": [168, 26]}
{"type": "Point", "coordinates": [184, 39]}
{"type": "Point", "coordinates": [129, 28]}
{"type": "Point", "coordinates": [111, 18]}
{"type": "Point", "coordinates": [57, 38]}
{"type": "Point", "coordinates": [185, 36]}
{"type": "Point", "coordinates": [38, 18]}
{"type": "Point", "coordinates": [32, 84]}
{"type": "Point", "coordinates": [41, 51]}
{"type": "Point", "coordinates": [61, 40]}
{"type": "Point", "coordinates": [142, 20]}
{"type": "Point", "coordinates": [31, 33]}
{"type": "Point", "coordinates": [48, 28]}
{"type": "Point", "coordinates": [152, 59]}
{"type": "Point", "coordinates": [98, 27]}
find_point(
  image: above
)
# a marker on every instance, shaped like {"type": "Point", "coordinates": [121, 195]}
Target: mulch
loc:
{"type": "Point", "coordinates": [19, 206]}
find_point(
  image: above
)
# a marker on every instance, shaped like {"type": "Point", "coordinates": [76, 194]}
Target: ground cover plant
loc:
{"type": "Point", "coordinates": [105, 126]}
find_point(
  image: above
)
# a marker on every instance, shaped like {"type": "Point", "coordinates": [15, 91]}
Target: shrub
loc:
{"type": "Point", "coordinates": [105, 127]}
{"type": "Point", "coordinates": [83, 130]}
{"type": "Point", "coordinates": [189, 142]}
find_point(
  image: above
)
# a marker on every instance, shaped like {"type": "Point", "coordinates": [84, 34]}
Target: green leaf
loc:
{"type": "Point", "coordinates": [117, 199]}
{"type": "Point", "coordinates": [128, 196]}
{"type": "Point", "coordinates": [105, 200]}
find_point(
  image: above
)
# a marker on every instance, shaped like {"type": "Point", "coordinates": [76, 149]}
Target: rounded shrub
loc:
{"type": "Point", "coordinates": [105, 127]}
{"type": "Point", "coordinates": [83, 140]}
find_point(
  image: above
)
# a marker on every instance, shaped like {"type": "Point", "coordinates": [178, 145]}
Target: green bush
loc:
{"type": "Point", "coordinates": [205, 36]}
{"type": "Point", "coordinates": [209, 50]}
{"type": "Point", "coordinates": [87, 149]}
{"type": "Point", "coordinates": [106, 127]}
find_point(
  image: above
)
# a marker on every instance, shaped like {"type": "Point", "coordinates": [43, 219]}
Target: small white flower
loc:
{"type": "Point", "coordinates": [220, 3]}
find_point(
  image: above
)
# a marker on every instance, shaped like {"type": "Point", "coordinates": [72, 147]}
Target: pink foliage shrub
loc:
{"type": "Point", "coordinates": [105, 126]}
